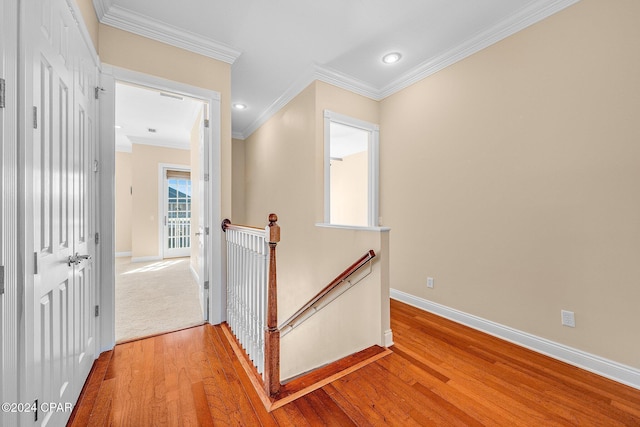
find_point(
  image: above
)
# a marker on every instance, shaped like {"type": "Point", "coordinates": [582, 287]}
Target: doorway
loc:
{"type": "Point", "coordinates": [210, 238]}
{"type": "Point", "coordinates": [177, 218]}
{"type": "Point", "coordinates": [158, 138]}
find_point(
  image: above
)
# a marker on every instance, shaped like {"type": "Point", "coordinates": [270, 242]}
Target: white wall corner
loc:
{"type": "Point", "coordinates": [598, 365]}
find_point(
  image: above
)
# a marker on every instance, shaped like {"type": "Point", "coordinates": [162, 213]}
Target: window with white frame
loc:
{"type": "Point", "coordinates": [351, 171]}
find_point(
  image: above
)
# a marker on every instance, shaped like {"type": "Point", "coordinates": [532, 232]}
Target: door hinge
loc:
{"type": "Point", "coordinates": [35, 117]}
{"type": "Point", "coordinates": [35, 263]}
{"type": "Point", "coordinates": [206, 284]}
{"type": "Point", "coordinates": [206, 177]}
{"type": "Point", "coordinates": [97, 311]}
{"type": "Point", "coordinates": [206, 123]}
{"type": "Point", "coordinates": [2, 98]}
{"type": "Point", "coordinates": [96, 166]}
{"type": "Point", "coordinates": [96, 237]}
{"type": "Point", "coordinates": [1, 279]}
{"type": "Point", "coordinates": [206, 230]}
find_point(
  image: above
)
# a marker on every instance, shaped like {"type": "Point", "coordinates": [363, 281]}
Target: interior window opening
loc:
{"type": "Point", "coordinates": [351, 171]}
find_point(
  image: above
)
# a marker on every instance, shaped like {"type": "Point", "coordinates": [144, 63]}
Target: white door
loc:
{"type": "Point", "coordinates": [62, 349]}
{"type": "Point", "coordinates": [203, 230]}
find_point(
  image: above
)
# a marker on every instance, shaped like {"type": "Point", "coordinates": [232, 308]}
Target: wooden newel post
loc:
{"type": "Point", "coordinates": [271, 333]}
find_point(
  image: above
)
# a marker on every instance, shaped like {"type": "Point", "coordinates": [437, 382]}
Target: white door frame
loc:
{"type": "Point", "coordinates": [107, 170]}
{"type": "Point", "coordinates": [11, 300]}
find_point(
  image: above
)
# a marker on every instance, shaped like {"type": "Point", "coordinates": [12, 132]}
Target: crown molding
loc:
{"type": "Point", "coordinates": [516, 22]}
{"type": "Point", "coordinates": [307, 77]}
{"type": "Point", "coordinates": [162, 143]}
{"type": "Point", "coordinates": [101, 7]}
{"type": "Point", "coordinates": [238, 135]}
{"type": "Point", "coordinates": [141, 25]}
{"type": "Point", "coordinates": [344, 81]}
{"type": "Point", "coordinates": [313, 73]}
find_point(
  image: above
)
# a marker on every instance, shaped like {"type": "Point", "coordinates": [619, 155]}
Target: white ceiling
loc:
{"type": "Point", "coordinates": [278, 47]}
{"type": "Point", "coordinates": [139, 109]}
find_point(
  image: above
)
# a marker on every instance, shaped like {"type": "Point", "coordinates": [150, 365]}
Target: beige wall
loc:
{"type": "Point", "coordinates": [133, 52]}
{"type": "Point", "coordinates": [350, 190]}
{"type": "Point", "coordinates": [283, 158]}
{"type": "Point", "coordinates": [124, 202]}
{"type": "Point", "coordinates": [145, 160]}
{"type": "Point", "coordinates": [238, 182]}
{"type": "Point", "coordinates": [512, 178]}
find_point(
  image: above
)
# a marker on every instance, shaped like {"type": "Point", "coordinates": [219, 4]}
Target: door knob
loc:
{"type": "Point", "coordinates": [77, 259]}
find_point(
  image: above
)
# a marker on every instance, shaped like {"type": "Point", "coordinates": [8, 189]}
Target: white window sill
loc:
{"type": "Point", "coordinates": [352, 227]}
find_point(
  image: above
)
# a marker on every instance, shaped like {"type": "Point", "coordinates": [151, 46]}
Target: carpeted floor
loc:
{"type": "Point", "coordinates": [155, 297]}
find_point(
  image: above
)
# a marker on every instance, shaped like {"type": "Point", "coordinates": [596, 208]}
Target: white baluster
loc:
{"type": "Point", "coordinates": [247, 254]}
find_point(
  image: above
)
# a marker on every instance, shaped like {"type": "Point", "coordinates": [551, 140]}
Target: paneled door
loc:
{"type": "Point", "coordinates": [63, 330]}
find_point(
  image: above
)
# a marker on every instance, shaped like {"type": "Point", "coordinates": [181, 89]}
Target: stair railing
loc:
{"type": "Point", "coordinates": [252, 303]}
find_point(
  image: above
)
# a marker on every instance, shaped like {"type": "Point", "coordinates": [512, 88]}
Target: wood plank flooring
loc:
{"type": "Point", "coordinates": [440, 373]}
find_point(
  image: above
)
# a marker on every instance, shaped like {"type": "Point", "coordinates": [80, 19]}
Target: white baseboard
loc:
{"type": "Point", "coordinates": [194, 273]}
{"type": "Point", "coordinates": [607, 368]}
{"type": "Point", "coordinates": [123, 254]}
{"type": "Point", "coordinates": [146, 259]}
{"type": "Point", "coordinates": [388, 338]}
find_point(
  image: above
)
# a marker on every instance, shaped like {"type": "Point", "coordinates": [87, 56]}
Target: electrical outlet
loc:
{"type": "Point", "coordinates": [429, 282]}
{"type": "Point", "coordinates": [568, 318]}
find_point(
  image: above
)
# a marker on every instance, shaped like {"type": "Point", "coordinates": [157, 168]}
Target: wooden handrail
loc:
{"type": "Point", "coordinates": [226, 225]}
{"type": "Point", "coordinates": [331, 286]}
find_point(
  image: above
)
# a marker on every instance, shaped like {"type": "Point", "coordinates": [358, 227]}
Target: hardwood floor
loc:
{"type": "Point", "coordinates": [440, 373]}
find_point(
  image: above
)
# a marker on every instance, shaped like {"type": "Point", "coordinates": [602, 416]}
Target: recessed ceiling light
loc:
{"type": "Point", "coordinates": [391, 58]}
{"type": "Point", "coordinates": [118, 127]}
{"type": "Point", "coordinates": [240, 106]}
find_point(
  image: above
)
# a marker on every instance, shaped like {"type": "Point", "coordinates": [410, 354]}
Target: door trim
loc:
{"type": "Point", "coordinates": [211, 164]}
{"type": "Point", "coordinates": [11, 301]}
